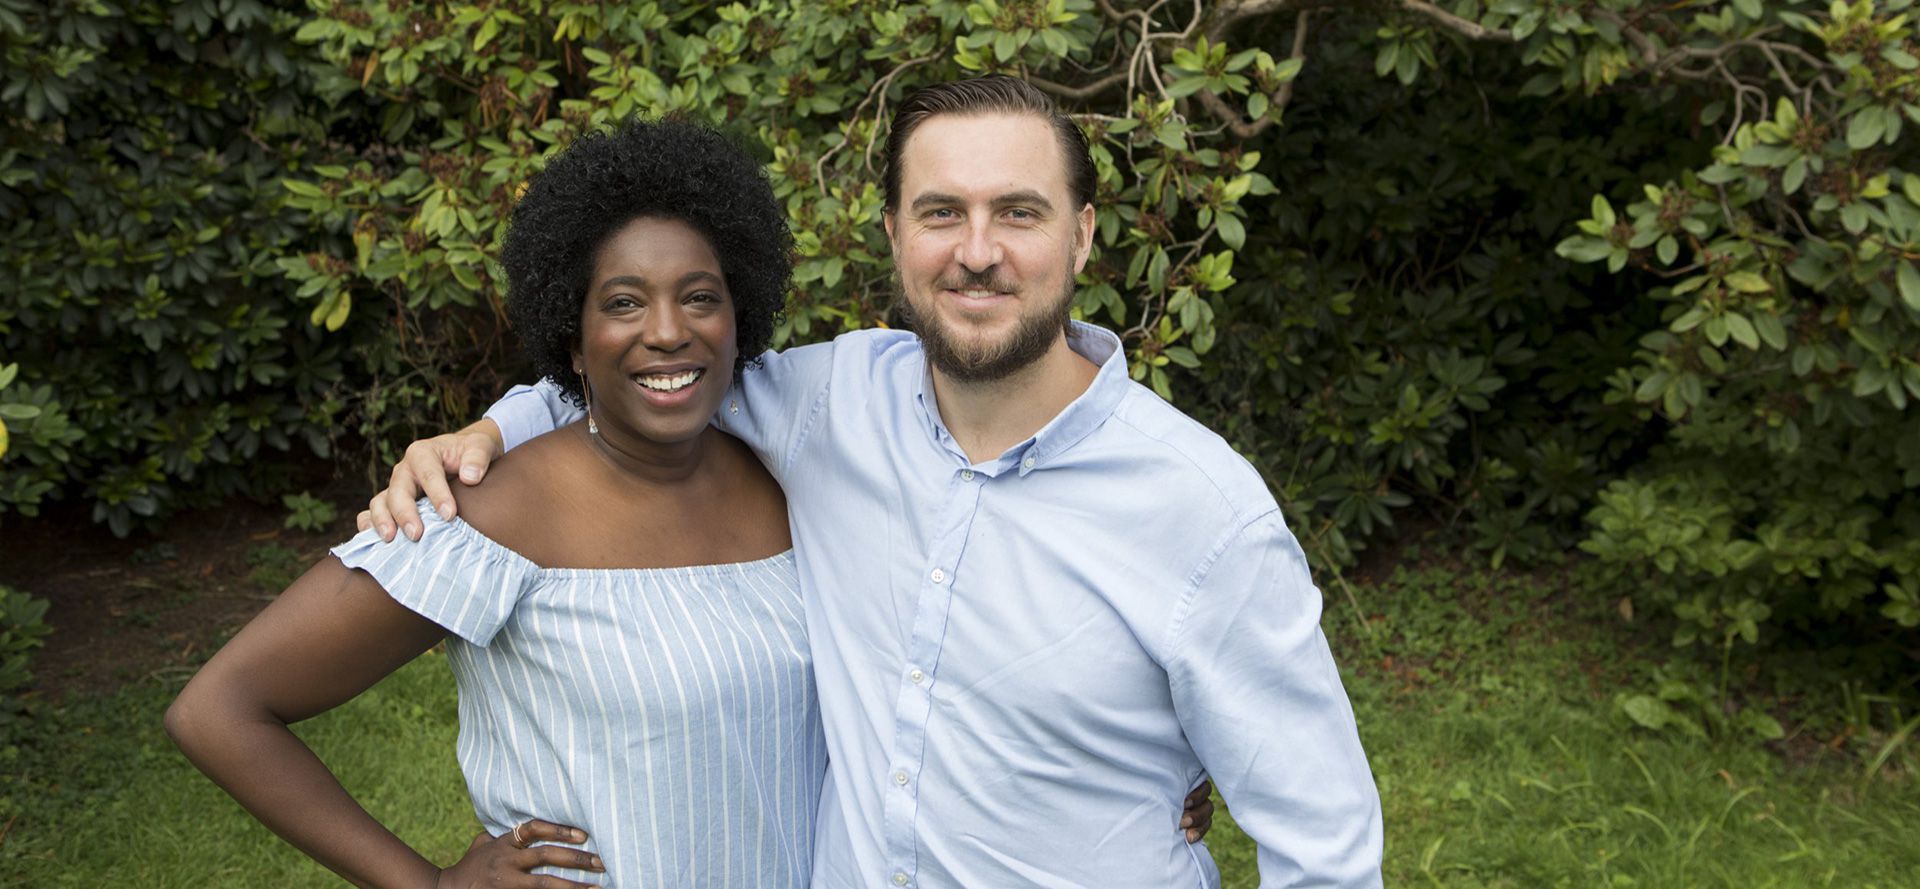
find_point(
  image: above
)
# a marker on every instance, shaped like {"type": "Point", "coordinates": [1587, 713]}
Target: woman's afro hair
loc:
{"type": "Point", "coordinates": [668, 169]}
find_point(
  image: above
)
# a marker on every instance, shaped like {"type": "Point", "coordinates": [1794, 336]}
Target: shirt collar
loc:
{"type": "Point", "coordinates": [1080, 417]}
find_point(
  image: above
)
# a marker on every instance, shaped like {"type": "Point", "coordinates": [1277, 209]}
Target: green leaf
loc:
{"type": "Point", "coordinates": [1583, 248]}
{"type": "Point", "coordinates": [1004, 46]}
{"type": "Point", "coordinates": [1795, 175]}
{"type": "Point", "coordinates": [488, 30]}
{"type": "Point", "coordinates": [1667, 249]}
{"type": "Point", "coordinates": [1749, 8]}
{"type": "Point", "coordinates": [1742, 330]}
{"type": "Point", "coordinates": [1760, 723]}
{"type": "Point", "coordinates": [1853, 217]}
{"type": "Point", "coordinates": [1186, 86]}
{"type": "Point", "coordinates": [1866, 128]}
{"type": "Point", "coordinates": [1232, 232]}
{"type": "Point", "coordinates": [338, 316]}
{"type": "Point", "coordinates": [1647, 711]}
{"type": "Point", "coordinates": [1718, 174]}
{"type": "Point", "coordinates": [1603, 212]}
{"type": "Point", "coordinates": [1771, 330]}
{"type": "Point", "coordinates": [1748, 282]}
{"type": "Point", "coordinates": [1909, 281]}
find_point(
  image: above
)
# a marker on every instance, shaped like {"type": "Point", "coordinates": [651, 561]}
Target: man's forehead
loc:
{"type": "Point", "coordinates": [988, 152]}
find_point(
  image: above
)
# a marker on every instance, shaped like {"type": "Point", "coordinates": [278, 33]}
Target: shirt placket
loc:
{"type": "Point", "coordinates": [914, 701]}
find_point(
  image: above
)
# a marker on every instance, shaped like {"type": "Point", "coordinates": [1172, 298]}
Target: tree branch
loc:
{"type": "Point", "coordinates": [1229, 14]}
{"type": "Point", "coordinates": [1468, 29]}
{"type": "Point", "coordinates": [1228, 115]}
{"type": "Point", "coordinates": [1080, 93]}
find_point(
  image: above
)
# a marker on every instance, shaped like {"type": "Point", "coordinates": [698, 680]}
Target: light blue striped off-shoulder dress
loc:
{"type": "Point", "coordinates": [669, 712]}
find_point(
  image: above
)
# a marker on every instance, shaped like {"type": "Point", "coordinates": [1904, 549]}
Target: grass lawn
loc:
{"type": "Point", "coordinates": [1484, 701]}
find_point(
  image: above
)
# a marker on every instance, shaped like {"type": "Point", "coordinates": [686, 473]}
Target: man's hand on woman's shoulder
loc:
{"type": "Point", "coordinates": [424, 471]}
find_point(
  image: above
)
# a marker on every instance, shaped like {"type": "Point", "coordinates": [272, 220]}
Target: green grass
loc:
{"type": "Point", "coordinates": [1491, 732]}
{"type": "Point", "coordinates": [104, 798]}
{"type": "Point", "coordinates": [1500, 762]}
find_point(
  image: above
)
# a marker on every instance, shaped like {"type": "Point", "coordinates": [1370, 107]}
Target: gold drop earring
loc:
{"type": "Point", "coordinates": [586, 395]}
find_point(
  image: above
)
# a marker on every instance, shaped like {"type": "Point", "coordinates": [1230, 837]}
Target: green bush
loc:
{"type": "Point", "coordinates": [1780, 499]}
{"type": "Point", "coordinates": [22, 628]}
{"type": "Point", "coordinates": [1364, 240]}
{"type": "Point", "coordinates": [153, 335]}
{"type": "Point", "coordinates": [164, 359]}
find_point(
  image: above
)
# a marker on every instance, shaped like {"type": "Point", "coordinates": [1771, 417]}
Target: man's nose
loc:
{"type": "Point", "coordinates": [979, 249]}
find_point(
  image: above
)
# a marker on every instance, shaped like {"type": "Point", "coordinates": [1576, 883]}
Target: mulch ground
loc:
{"type": "Point", "coordinates": [155, 603]}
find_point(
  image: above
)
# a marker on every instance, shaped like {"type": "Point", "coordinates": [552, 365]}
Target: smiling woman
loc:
{"type": "Point", "coordinates": [619, 599]}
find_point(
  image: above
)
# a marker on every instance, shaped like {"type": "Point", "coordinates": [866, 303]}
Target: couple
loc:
{"type": "Point", "coordinates": [1040, 604]}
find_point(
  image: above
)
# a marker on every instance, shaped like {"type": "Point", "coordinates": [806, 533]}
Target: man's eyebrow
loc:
{"type": "Point", "coordinates": [1024, 197]}
{"type": "Point", "coordinates": [934, 199]}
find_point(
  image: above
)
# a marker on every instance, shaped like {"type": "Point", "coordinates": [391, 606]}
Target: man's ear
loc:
{"type": "Point", "coordinates": [1083, 244]}
{"type": "Point", "coordinates": [886, 220]}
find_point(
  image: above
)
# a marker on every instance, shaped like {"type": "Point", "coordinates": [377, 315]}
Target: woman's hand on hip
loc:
{"type": "Point", "coordinates": [507, 861]}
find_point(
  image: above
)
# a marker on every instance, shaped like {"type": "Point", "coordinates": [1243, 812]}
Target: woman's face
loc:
{"type": "Point", "coordinates": [657, 341]}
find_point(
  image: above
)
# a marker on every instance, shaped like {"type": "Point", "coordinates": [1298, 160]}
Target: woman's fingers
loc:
{"type": "Point", "coordinates": [538, 831]}
{"type": "Point", "coordinates": [561, 856]}
{"type": "Point", "coordinates": [1197, 818]}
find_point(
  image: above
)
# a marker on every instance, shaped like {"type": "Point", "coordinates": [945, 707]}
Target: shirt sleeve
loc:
{"type": "Point", "coordinates": [453, 575]}
{"type": "Point", "coordinates": [1258, 695]}
{"type": "Point", "coordinates": [775, 401]}
{"type": "Point", "coordinates": [529, 411]}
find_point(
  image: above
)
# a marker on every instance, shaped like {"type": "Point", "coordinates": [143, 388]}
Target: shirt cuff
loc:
{"type": "Point", "coordinates": [528, 411]}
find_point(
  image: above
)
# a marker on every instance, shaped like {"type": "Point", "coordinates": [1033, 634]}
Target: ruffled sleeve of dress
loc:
{"type": "Point", "coordinates": [453, 575]}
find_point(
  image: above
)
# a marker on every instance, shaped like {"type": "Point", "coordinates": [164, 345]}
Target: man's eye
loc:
{"type": "Point", "coordinates": [704, 296]}
{"type": "Point", "coordinates": [944, 213]}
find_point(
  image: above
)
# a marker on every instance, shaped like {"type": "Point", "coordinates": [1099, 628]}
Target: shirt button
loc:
{"type": "Point", "coordinates": [917, 676]}
{"type": "Point", "coordinates": [900, 778]}
{"type": "Point", "coordinates": [1028, 463]}
{"type": "Point", "coordinates": [939, 576]}
{"type": "Point", "coordinates": [899, 879]}
{"type": "Point", "coordinates": [966, 475]}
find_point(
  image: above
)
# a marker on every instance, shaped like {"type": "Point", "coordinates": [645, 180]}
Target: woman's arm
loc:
{"type": "Point", "coordinates": [330, 636]}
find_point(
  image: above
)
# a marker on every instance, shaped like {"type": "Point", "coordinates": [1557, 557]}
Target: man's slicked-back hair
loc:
{"type": "Point", "coordinates": [992, 94]}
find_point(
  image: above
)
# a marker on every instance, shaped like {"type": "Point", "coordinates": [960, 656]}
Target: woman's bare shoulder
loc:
{"type": "Point", "coordinates": [518, 495]}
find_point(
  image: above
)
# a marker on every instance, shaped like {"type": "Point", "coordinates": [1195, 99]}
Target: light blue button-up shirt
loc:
{"type": "Point", "coordinates": [1025, 663]}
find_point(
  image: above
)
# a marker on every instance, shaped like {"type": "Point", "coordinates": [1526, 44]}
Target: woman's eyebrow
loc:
{"type": "Point", "coordinates": [634, 281]}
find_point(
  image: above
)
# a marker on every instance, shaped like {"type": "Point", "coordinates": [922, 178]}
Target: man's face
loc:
{"type": "Point", "coordinates": [986, 241]}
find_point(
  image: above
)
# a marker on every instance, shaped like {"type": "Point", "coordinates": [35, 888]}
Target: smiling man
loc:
{"type": "Point", "coordinates": [1042, 602]}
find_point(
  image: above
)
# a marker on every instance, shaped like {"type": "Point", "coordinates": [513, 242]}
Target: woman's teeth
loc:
{"type": "Point", "coordinates": [668, 382]}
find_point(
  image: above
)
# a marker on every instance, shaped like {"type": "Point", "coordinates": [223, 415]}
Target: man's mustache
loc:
{"type": "Point", "coordinates": [986, 280]}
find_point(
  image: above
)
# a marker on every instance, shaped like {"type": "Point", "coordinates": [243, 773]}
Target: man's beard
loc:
{"type": "Point", "coordinates": [1033, 334]}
